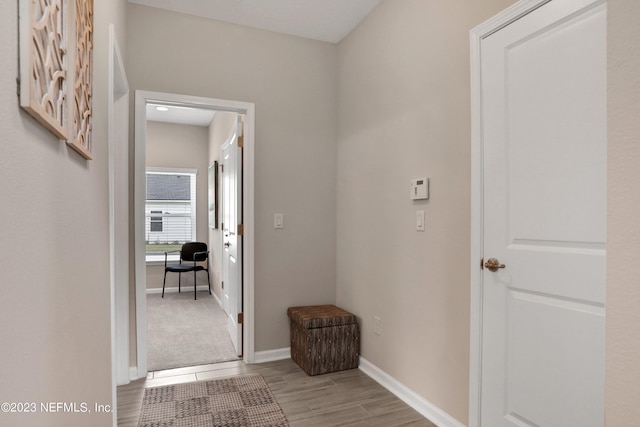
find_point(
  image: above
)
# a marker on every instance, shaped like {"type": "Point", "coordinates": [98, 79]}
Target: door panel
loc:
{"type": "Point", "coordinates": [544, 388]}
{"type": "Point", "coordinates": [232, 240]}
{"type": "Point", "coordinates": [544, 191]}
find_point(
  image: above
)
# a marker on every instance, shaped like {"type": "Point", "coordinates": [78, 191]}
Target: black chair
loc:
{"type": "Point", "coordinates": [191, 253]}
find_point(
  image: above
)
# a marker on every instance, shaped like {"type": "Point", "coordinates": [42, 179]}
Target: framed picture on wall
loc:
{"type": "Point", "coordinates": [213, 195]}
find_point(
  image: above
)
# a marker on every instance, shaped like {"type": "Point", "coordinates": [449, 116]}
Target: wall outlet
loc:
{"type": "Point", "coordinates": [377, 325]}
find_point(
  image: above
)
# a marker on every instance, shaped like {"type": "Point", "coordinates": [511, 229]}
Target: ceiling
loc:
{"type": "Point", "coordinates": [180, 115]}
{"type": "Point", "coordinates": [324, 20]}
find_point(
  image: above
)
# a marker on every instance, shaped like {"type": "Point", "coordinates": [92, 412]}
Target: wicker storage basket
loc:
{"type": "Point", "coordinates": [324, 338]}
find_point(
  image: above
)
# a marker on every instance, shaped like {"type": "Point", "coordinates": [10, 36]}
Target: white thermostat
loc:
{"type": "Point", "coordinates": [419, 189]}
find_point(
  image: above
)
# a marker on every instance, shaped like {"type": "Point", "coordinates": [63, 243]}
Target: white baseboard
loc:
{"type": "Point", "coordinates": [420, 404]}
{"type": "Point", "coordinates": [186, 288]}
{"type": "Point", "coordinates": [133, 373]}
{"type": "Point", "coordinates": [216, 298]}
{"type": "Point", "coordinates": [272, 355]}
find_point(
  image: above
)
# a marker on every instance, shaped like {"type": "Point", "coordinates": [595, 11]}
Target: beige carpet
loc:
{"type": "Point", "coordinates": [243, 401]}
{"type": "Point", "coordinates": [182, 331]}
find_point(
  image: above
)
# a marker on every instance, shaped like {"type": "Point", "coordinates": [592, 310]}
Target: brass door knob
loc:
{"type": "Point", "coordinates": [493, 264]}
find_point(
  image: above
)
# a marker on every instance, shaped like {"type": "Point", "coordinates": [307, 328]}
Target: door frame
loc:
{"type": "Point", "coordinates": [477, 34]}
{"type": "Point", "coordinates": [118, 136]}
{"type": "Point", "coordinates": [142, 98]}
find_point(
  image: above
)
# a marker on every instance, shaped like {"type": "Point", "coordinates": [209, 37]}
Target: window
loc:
{"type": "Point", "coordinates": [156, 222]}
{"type": "Point", "coordinates": [170, 211]}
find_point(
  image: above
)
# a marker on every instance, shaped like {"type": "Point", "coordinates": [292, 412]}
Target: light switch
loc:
{"type": "Point", "coordinates": [420, 220]}
{"type": "Point", "coordinates": [278, 220]}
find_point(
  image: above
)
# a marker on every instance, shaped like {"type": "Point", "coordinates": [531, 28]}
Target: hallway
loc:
{"type": "Point", "coordinates": [347, 398]}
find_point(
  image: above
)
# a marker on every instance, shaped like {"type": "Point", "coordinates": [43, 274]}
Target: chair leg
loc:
{"type": "Point", "coordinates": [195, 294]}
{"type": "Point", "coordinates": [209, 282]}
{"type": "Point", "coordinates": [164, 282]}
{"type": "Point", "coordinates": [179, 280]}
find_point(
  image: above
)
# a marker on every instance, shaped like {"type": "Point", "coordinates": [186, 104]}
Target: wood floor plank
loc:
{"type": "Point", "coordinates": [334, 417]}
{"type": "Point", "coordinates": [347, 398]}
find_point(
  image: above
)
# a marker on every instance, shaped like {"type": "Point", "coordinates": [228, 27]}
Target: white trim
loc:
{"type": "Point", "coordinates": [477, 34]}
{"type": "Point", "coordinates": [172, 171]}
{"type": "Point", "coordinates": [117, 98]}
{"type": "Point", "coordinates": [272, 355]}
{"type": "Point", "coordinates": [217, 299]}
{"type": "Point", "coordinates": [475, 356]}
{"type": "Point", "coordinates": [248, 109]}
{"type": "Point", "coordinates": [133, 373]}
{"type": "Point", "coordinates": [417, 402]}
{"type": "Point", "coordinates": [248, 242]}
{"type": "Point", "coordinates": [115, 354]}
{"type": "Point", "coordinates": [139, 200]}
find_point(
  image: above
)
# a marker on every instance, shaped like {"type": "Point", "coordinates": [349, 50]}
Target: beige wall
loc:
{"type": "Point", "coordinates": [292, 82]}
{"type": "Point", "coordinates": [171, 145]}
{"type": "Point", "coordinates": [220, 130]}
{"type": "Point", "coordinates": [55, 307]}
{"type": "Point", "coordinates": [623, 248]}
{"type": "Point", "coordinates": [397, 124]}
{"type": "Point", "coordinates": [404, 108]}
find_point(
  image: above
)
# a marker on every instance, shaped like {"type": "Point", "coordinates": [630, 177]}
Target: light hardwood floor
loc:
{"type": "Point", "coordinates": [347, 398]}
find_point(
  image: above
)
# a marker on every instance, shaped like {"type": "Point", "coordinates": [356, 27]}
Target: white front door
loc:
{"type": "Point", "coordinates": [231, 155]}
{"type": "Point", "coordinates": [543, 89]}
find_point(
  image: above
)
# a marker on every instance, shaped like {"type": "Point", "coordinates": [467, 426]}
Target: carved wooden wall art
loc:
{"type": "Point", "coordinates": [43, 63]}
{"type": "Point", "coordinates": [56, 68]}
{"type": "Point", "coordinates": [81, 121]}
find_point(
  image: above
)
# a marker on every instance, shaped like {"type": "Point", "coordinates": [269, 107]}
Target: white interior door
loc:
{"type": "Point", "coordinates": [544, 218]}
{"type": "Point", "coordinates": [231, 155]}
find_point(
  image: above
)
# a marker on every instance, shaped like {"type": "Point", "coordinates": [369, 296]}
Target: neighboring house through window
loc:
{"type": "Point", "coordinates": [170, 211]}
{"type": "Point", "coordinates": [156, 222]}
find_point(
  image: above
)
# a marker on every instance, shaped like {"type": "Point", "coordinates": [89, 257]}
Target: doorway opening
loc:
{"type": "Point", "coordinates": [213, 107]}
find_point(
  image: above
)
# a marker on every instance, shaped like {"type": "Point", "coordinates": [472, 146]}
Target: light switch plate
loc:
{"type": "Point", "coordinates": [278, 220]}
{"type": "Point", "coordinates": [420, 220]}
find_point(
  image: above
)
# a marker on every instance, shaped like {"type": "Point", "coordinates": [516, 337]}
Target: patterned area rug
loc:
{"type": "Point", "coordinates": [243, 401]}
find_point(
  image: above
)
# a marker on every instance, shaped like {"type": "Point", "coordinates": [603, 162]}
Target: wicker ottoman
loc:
{"type": "Point", "coordinates": [324, 338]}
